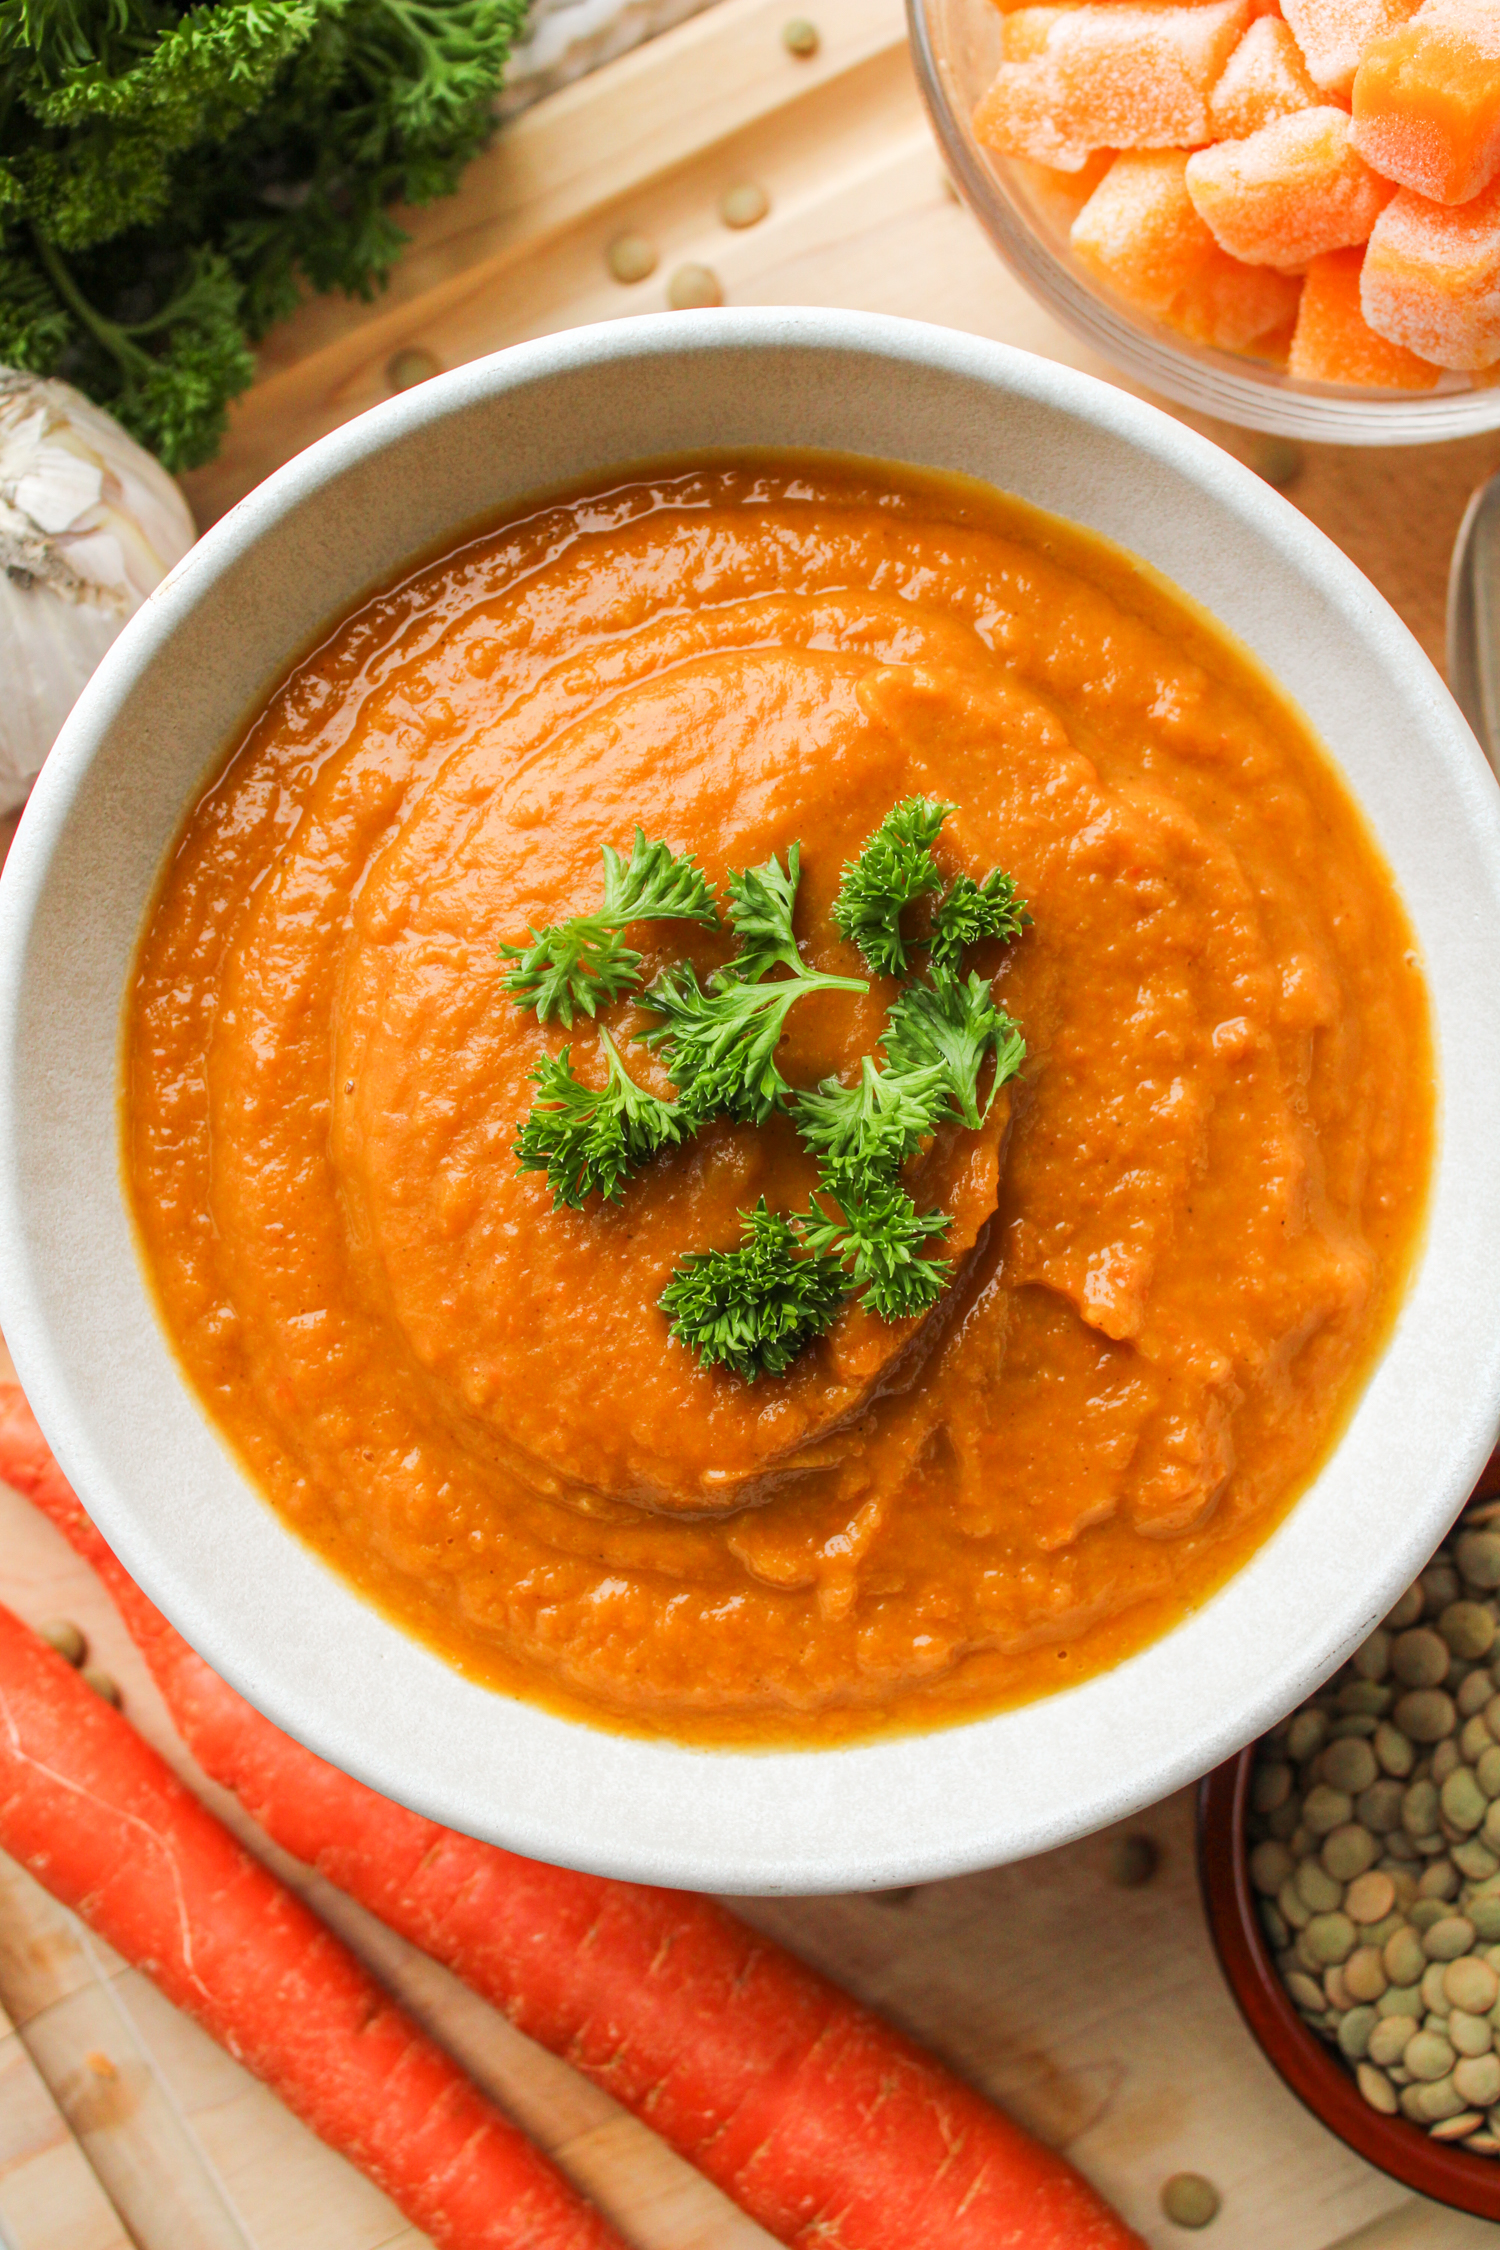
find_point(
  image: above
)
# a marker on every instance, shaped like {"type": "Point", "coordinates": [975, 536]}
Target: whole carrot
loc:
{"type": "Point", "coordinates": [824, 2123]}
{"type": "Point", "coordinates": [105, 1825]}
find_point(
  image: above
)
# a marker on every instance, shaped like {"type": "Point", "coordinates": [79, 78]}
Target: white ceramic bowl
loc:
{"type": "Point", "coordinates": [176, 688]}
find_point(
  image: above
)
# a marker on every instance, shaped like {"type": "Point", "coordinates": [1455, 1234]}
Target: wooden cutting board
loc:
{"type": "Point", "coordinates": [1095, 2014]}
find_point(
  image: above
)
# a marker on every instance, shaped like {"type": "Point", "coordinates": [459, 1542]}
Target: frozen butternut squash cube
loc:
{"type": "Point", "coordinates": [1058, 197]}
{"type": "Point", "coordinates": [1235, 307]}
{"type": "Point", "coordinates": [1265, 78]}
{"type": "Point", "coordinates": [1288, 193]}
{"type": "Point", "coordinates": [1019, 117]}
{"type": "Point", "coordinates": [1139, 232]}
{"type": "Point", "coordinates": [1431, 278]}
{"type": "Point", "coordinates": [1109, 74]}
{"type": "Point", "coordinates": [1333, 35]}
{"type": "Point", "coordinates": [1334, 343]}
{"type": "Point", "coordinates": [1427, 101]}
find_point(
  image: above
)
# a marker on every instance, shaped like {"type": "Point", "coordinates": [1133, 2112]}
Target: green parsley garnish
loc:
{"type": "Point", "coordinates": [585, 961]}
{"type": "Point", "coordinates": [869, 1130]}
{"type": "Point", "coordinates": [753, 1309]}
{"type": "Point", "coordinates": [971, 911]}
{"type": "Point", "coordinates": [719, 1040]}
{"type": "Point", "coordinates": [954, 1026]}
{"type": "Point", "coordinates": [894, 867]}
{"type": "Point", "coordinates": [586, 1138]}
{"type": "Point", "coordinates": [878, 1234]}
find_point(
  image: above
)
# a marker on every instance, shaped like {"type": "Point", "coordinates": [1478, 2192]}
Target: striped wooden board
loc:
{"type": "Point", "coordinates": [1095, 2013]}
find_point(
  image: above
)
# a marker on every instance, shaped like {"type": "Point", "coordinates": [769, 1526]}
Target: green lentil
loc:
{"type": "Point", "coordinates": [1349, 1765]}
{"type": "Point", "coordinates": [1189, 2200]}
{"type": "Point", "coordinates": [1470, 2035]}
{"type": "Point", "coordinates": [1329, 1938]}
{"type": "Point", "coordinates": [1439, 2101]}
{"type": "Point", "coordinates": [1271, 1865]}
{"type": "Point", "coordinates": [406, 369]}
{"type": "Point", "coordinates": [1290, 1907]}
{"type": "Point", "coordinates": [1379, 1806]}
{"type": "Point", "coordinates": [1468, 1628]}
{"type": "Point", "coordinates": [1400, 2000]}
{"type": "Point", "coordinates": [1369, 1897]}
{"type": "Point", "coordinates": [1406, 1611]}
{"type": "Point", "coordinates": [1484, 1913]}
{"type": "Point", "coordinates": [1444, 1941]}
{"type": "Point", "coordinates": [1440, 1881]}
{"type": "Point", "coordinates": [1444, 1760]}
{"type": "Point", "coordinates": [1324, 1809]}
{"type": "Point", "coordinates": [800, 38]}
{"type": "Point", "coordinates": [1463, 1802]}
{"type": "Point", "coordinates": [1388, 2040]}
{"type": "Point", "coordinates": [1360, 1700]}
{"type": "Point", "coordinates": [1474, 1693]}
{"type": "Point", "coordinates": [1490, 1832]}
{"type": "Point", "coordinates": [744, 206]}
{"type": "Point", "coordinates": [1372, 1659]}
{"type": "Point", "coordinates": [66, 1637]}
{"type": "Point", "coordinates": [1487, 1770]}
{"type": "Point", "coordinates": [1376, 2088]}
{"type": "Point", "coordinates": [1472, 1985]}
{"type": "Point", "coordinates": [1474, 1859]}
{"type": "Point", "coordinates": [1474, 1737]}
{"type": "Point", "coordinates": [1428, 2057]}
{"type": "Point", "coordinates": [1435, 2001]}
{"type": "Point", "coordinates": [1348, 1852]}
{"type": "Point", "coordinates": [1426, 1714]}
{"type": "Point", "coordinates": [693, 287]}
{"type": "Point", "coordinates": [1479, 1558]}
{"type": "Point", "coordinates": [1440, 1586]}
{"type": "Point", "coordinates": [1393, 1749]}
{"type": "Point", "coordinates": [1425, 1912]}
{"type": "Point", "coordinates": [1420, 1658]}
{"type": "Point", "coordinates": [104, 1684]}
{"type": "Point", "coordinates": [1405, 1962]}
{"type": "Point", "coordinates": [1305, 1990]}
{"type": "Point", "coordinates": [1277, 1933]}
{"type": "Point", "coordinates": [1317, 1889]}
{"type": "Point", "coordinates": [1458, 2128]}
{"type": "Point", "coordinates": [1354, 2032]}
{"type": "Point", "coordinates": [1364, 1974]}
{"type": "Point", "coordinates": [631, 258]}
{"type": "Point", "coordinates": [1419, 1809]}
{"type": "Point", "coordinates": [1307, 1734]}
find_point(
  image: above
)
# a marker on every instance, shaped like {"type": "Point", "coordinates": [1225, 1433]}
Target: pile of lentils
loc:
{"type": "Point", "coordinates": [1375, 1849]}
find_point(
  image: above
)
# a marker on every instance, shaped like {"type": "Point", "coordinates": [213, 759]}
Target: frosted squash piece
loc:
{"type": "Point", "coordinates": [1334, 343]}
{"type": "Point", "coordinates": [1333, 35]}
{"type": "Point", "coordinates": [1027, 31]}
{"type": "Point", "coordinates": [1288, 193]}
{"type": "Point", "coordinates": [1109, 74]}
{"type": "Point", "coordinates": [1431, 278]}
{"type": "Point", "coordinates": [1058, 197]}
{"type": "Point", "coordinates": [1264, 79]}
{"type": "Point", "coordinates": [1139, 232]}
{"type": "Point", "coordinates": [1019, 117]}
{"type": "Point", "coordinates": [1234, 307]}
{"type": "Point", "coordinates": [1427, 101]}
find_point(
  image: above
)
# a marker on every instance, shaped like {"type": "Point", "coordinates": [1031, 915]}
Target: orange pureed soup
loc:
{"type": "Point", "coordinates": [1178, 1242]}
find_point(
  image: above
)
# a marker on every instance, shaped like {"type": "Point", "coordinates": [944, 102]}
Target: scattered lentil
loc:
{"type": "Point", "coordinates": [630, 258]}
{"type": "Point", "coordinates": [1349, 1765]}
{"type": "Point", "coordinates": [745, 206]}
{"type": "Point", "coordinates": [1468, 1628]}
{"type": "Point", "coordinates": [1189, 2200]}
{"type": "Point", "coordinates": [800, 38]}
{"type": "Point", "coordinates": [103, 1684]}
{"type": "Point", "coordinates": [1369, 1898]}
{"type": "Point", "coordinates": [63, 1635]}
{"type": "Point", "coordinates": [412, 366]}
{"type": "Point", "coordinates": [692, 288]}
{"type": "Point", "coordinates": [1426, 1714]}
{"type": "Point", "coordinates": [1134, 1859]}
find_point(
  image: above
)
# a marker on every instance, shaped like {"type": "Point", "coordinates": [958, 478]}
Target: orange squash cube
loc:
{"type": "Point", "coordinates": [1139, 232]}
{"type": "Point", "coordinates": [1333, 35]}
{"type": "Point", "coordinates": [1427, 101]}
{"type": "Point", "coordinates": [1058, 197]}
{"type": "Point", "coordinates": [1109, 74]}
{"type": "Point", "coordinates": [1334, 343]}
{"type": "Point", "coordinates": [1431, 278]}
{"type": "Point", "coordinates": [1288, 193]}
{"type": "Point", "coordinates": [1265, 78]}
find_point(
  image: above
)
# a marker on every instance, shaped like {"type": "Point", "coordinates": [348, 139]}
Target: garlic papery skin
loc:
{"type": "Point", "coordinates": [89, 524]}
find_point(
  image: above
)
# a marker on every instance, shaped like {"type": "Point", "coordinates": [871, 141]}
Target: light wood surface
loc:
{"type": "Point", "coordinates": [1096, 2014]}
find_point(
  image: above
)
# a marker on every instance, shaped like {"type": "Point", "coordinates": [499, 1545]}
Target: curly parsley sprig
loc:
{"type": "Point", "coordinates": [895, 867]}
{"type": "Point", "coordinates": [876, 1233]}
{"type": "Point", "coordinates": [719, 1040]}
{"type": "Point", "coordinates": [952, 1027]}
{"type": "Point", "coordinates": [587, 1139]}
{"type": "Point", "coordinates": [971, 911]}
{"type": "Point", "coordinates": [753, 1309]}
{"type": "Point", "coordinates": [584, 962]}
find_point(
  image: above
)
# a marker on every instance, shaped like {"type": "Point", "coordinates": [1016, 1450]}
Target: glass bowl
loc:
{"type": "Point", "coordinates": [956, 46]}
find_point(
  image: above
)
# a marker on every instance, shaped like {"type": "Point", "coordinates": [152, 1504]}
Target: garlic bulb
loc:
{"type": "Point", "coordinates": [89, 524]}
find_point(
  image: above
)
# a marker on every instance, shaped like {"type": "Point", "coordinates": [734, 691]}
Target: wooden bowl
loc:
{"type": "Point", "coordinates": [1316, 2074]}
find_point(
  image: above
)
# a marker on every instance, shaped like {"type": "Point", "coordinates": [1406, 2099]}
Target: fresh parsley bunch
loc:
{"type": "Point", "coordinates": [172, 177]}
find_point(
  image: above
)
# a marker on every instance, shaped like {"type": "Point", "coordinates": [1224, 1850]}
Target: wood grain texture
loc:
{"type": "Point", "coordinates": [1097, 2015]}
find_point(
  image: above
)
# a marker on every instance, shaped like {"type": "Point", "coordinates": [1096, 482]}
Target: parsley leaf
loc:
{"type": "Point", "coordinates": [588, 1139]}
{"type": "Point", "coordinates": [878, 1234]}
{"type": "Point", "coordinates": [971, 911]}
{"type": "Point", "coordinates": [894, 867]}
{"type": "Point", "coordinates": [753, 1309]}
{"type": "Point", "coordinates": [954, 1026]}
{"type": "Point", "coordinates": [719, 1040]}
{"type": "Point", "coordinates": [585, 961]}
{"type": "Point", "coordinates": [870, 1129]}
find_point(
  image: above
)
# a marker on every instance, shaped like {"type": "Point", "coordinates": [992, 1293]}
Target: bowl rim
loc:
{"type": "Point", "coordinates": [1200, 377]}
{"type": "Point", "coordinates": [1303, 2061]}
{"type": "Point", "coordinates": [1190, 1700]}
